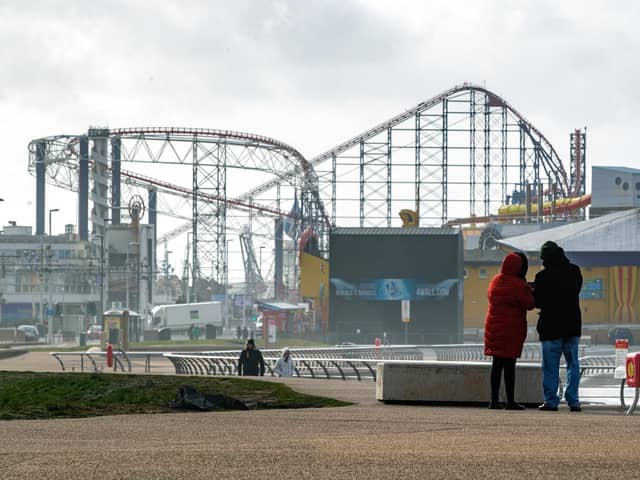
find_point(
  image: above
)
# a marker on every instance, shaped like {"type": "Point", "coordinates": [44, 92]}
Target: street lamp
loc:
{"type": "Point", "coordinates": [51, 210]}
{"type": "Point", "coordinates": [226, 285]}
{"type": "Point", "coordinates": [101, 237]}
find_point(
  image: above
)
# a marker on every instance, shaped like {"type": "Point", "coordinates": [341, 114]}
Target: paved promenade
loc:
{"type": "Point", "coordinates": [368, 440]}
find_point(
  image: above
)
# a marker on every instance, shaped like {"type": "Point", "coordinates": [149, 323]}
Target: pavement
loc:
{"type": "Point", "coordinates": [367, 440]}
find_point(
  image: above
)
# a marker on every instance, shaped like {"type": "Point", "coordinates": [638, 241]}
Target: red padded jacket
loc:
{"type": "Point", "coordinates": [505, 328]}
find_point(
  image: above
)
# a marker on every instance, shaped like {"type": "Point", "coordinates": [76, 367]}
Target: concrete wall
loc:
{"type": "Point", "coordinates": [451, 382]}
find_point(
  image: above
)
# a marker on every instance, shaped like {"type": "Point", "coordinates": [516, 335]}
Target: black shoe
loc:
{"type": "Point", "coordinates": [496, 406]}
{"type": "Point", "coordinates": [514, 406]}
{"type": "Point", "coordinates": [575, 408]}
{"type": "Point", "coordinates": [545, 407]}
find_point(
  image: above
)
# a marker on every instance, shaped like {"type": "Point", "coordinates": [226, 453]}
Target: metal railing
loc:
{"type": "Point", "coordinates": [97, 361]}
{"type": "Point", "coordinates": [327, 368]}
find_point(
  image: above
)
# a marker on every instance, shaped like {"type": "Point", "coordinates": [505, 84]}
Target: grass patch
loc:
{"type": "Point", "coordinates": [34, 395]}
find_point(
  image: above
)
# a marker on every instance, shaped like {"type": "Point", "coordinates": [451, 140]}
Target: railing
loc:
{"type": "Point", "coordinates": [474, 352]}
{"type": "Point", "coordinates": [97, 361]}
{"type": "Point", "coordinates": [328, 368]}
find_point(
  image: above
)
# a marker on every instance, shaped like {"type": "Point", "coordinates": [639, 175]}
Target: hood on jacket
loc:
{"type": "Point", "coordinates": [512, 265]}
{"type": "Point", "coordinates": [551, 254]}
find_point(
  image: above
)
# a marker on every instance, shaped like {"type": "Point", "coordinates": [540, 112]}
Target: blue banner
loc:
{"type": "Point", "coordinates": [385, 289]}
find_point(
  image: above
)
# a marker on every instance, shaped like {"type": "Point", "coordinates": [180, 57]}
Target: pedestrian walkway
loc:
{"type": "Point", "coordinates": [367, 440]}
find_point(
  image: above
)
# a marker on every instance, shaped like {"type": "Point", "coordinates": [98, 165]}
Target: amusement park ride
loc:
{"type": "Point", "coordinates": [464, 156]}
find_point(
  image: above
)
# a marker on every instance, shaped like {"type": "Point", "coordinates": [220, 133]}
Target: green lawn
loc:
{"type": "Point", "coordinates": [30, 395]}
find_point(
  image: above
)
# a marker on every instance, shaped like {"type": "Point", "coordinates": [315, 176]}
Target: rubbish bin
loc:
{"type": "Point", "coordinates": [164, 334]}
{"type": "Point", "coordinates": [83, 339]}
{"type": "Point", "coordinates": [114, 336]}
{"type": "Point", "coordinates": [210, 331]}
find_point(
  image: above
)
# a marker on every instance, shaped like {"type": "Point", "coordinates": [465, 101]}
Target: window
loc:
{"type": "Point", "coordinates": [482, 273]}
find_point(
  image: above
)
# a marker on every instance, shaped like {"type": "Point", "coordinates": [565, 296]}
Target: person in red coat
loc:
{"type": "Point", "coordinates": [505, 327]}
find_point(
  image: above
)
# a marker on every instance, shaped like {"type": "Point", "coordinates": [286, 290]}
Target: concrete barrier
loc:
{"type": "Point", "coordinates": [452, 382]}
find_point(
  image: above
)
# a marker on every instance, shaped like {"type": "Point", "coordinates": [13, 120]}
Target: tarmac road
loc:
{"type": "Point", "coordinates": [368, 440]}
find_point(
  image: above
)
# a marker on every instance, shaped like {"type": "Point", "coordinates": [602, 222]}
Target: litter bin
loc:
{"type": "Point", "coordinates": [210, 331]}
{"type": "Point", "coordinates": [114, 336]}
{"type": "Point", "coordinates": [164, 334]}
{"type": "Point", "coordinates": [83, 339]}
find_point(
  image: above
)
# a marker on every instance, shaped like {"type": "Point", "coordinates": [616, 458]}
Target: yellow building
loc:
{"type": "Point", "coordinates": [606, 248]}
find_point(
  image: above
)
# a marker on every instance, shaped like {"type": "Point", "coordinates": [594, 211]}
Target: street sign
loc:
{"type": "Point", "coordinates": [406, 311]}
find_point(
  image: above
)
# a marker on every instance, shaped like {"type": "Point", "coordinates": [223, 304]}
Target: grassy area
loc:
{"type": "Point", "coordinates": [30, 395]}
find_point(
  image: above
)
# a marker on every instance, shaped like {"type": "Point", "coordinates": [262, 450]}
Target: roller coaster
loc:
{"type": "Point", "coordinates": [465, 155]}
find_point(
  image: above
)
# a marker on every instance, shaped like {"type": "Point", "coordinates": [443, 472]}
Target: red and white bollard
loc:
{"type": "Point", "coordinates": [622, 350]}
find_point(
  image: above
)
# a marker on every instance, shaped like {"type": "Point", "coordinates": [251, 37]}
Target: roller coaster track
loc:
{"type": "Point", "coordinates": [551, 162]}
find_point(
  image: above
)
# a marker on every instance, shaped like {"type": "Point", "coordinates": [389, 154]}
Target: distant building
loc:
{"type": "Point", "coordinates": [57, 279]}
{"type": "Point", "coordinates": [46, 278]}
{"type": "Point", "coordinates": [607, 248]}
{"type": "Point", "coordinates": [614, 189]}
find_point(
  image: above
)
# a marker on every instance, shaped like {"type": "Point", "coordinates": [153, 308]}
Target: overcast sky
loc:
{"type": "Point", "coordinates": [309, 73]}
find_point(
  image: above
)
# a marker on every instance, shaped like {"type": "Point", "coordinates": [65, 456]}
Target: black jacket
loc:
{"type": "Point", "coordinates": [557, 294]}
{"type": "Point", "coordinates": [251, 363]}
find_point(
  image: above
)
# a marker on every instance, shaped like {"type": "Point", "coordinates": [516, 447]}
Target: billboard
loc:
{"type": "Point", "coordinates": [372, 270]}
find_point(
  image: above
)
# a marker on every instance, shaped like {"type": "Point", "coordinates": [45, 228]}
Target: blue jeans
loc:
{"type": "Point", "coordinates": [552, 350]}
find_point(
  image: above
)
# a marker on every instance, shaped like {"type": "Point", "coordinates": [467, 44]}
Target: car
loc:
{"type": "Point", "coordinates": [94, 332]}
{"type": "Point", "coordinates": [30, 332]}
{"type": "Point", "coordinates": [620, 333]}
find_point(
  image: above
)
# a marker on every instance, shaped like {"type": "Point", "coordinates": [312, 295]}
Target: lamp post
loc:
{"type": "Point", "coordinates": [226, 285]}
{"type": "Point", "coordinates": [51, 210]}
{"type": "Point", "coordinates": [101, 277]}
{"type": "Point", "coordinates": [186, 269]}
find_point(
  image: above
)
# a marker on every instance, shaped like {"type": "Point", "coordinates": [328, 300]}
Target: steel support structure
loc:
{"type": "Point", "coordinates": [457, 154]}
{"type": "Point", "coordinates": [578, 149]}
{"type": "Point", "coordinates": [116, 157]}
{"type": "Point", "coordinates": [40, 171]}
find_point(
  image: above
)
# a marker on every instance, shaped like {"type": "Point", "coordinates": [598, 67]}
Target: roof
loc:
{"type": "Point", "coordinates": [618, 169]}
{"type": "Point", "coordinates": [395, 231]}
{"type": "Point", "coordinates": [279, 306]}
{"type": "Point", "coordinates": [615, 232]}
{"type": "Point", "coordinates": [483, 256]}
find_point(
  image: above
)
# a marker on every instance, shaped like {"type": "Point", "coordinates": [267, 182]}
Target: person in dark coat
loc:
{"type": "Point", "coordinates": [250, 362]}
{"type": "Point", "coordinates": [505, 327]}
{"type": "Point", "coordinates": [557, 294]}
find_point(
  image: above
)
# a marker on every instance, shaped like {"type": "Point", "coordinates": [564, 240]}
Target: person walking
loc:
{"type": "Point", "coordinates": [505, 327]}
{"type": "Point", "coordinates": [557, 294]}
{"type": "Point", "coordinates": [250, 362]}
{"type": "Point", "coordinates": [285, 366]}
